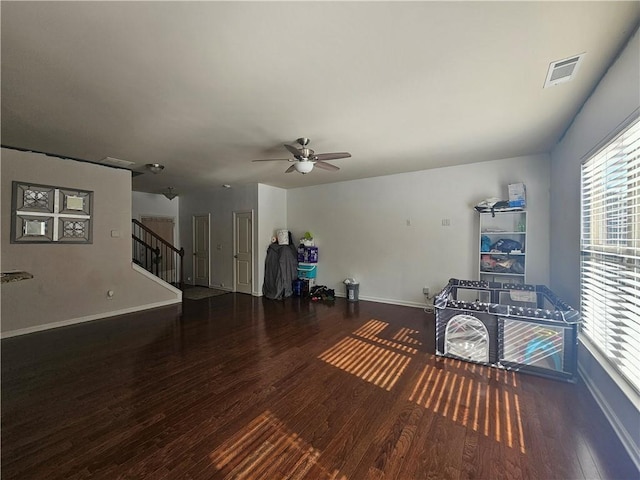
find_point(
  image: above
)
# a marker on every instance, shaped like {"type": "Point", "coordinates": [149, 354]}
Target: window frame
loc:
{"type": "Point", "coordinates": [602, 249]}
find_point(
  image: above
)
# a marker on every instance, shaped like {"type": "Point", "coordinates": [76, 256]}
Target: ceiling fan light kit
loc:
{"type": "Point", "coordinates": [305, 158]}
{"type": "Point", "coordinates": [154, 167]}
{"type": "Point", "coordinates": [303, 167]}
{"type": "Point", "coordinates": [169, 193]}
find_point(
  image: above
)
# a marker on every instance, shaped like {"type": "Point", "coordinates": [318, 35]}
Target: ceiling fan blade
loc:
{"type": "Point", "coordinates": [290, 169]}
{"type": "Point", "coordinates": [326, 166]}
{"type": "Point", "coordinates": [293, 149]}
{"type": "Point", "coordinates": [331, 156]}
{"type": "Point", "coordinates": [272, 160]}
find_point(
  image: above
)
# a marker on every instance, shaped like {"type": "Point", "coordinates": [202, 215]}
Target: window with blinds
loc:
{"type": "Point", "coordinates": [610, 252]}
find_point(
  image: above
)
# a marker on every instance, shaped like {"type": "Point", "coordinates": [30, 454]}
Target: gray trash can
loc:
{"type": "Point", "coordinates": [352, 291]}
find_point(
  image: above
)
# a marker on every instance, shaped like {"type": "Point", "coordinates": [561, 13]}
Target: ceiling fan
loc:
{"type": "Point", "coordinates": [305, 158]}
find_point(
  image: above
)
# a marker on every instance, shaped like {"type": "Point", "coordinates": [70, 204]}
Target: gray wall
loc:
{"type": "Point", "coordinates": [70, 282]}
{"type": "Point", "coordinates": [615, 99]}
{"type": "Point", "coordinates": [220, 203]}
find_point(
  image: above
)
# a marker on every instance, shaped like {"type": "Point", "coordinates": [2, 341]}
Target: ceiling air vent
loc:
{"type": "Point", "coordinates": [116, 162]}
{"type": "Point", "coordinates": [563, 70]}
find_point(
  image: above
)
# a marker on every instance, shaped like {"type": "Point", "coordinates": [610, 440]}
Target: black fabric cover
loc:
{"type": "Point", "coordinates": [280, 270]}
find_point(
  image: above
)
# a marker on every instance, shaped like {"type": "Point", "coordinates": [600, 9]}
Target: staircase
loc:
{"type": "Point", "coordinates": [156, 255]}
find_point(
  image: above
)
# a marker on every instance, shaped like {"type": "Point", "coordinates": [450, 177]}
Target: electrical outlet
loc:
{"type": "Point", "coordinates": [425, 290]}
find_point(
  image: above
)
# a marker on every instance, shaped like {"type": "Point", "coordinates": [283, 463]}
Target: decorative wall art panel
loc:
{"type": "Point", "coordinates": [48, 214]}
{"type": "Point", "coordinates": [75, 202]}
{"type": "Point", "coordinates": [74, 230]}
{"type": "Point", "coordinates": [32, 229]}
{"type": "Point", "coordinates": [33, 198]}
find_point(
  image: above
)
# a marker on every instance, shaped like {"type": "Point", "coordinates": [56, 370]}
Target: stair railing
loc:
{"type": "Point", "coordinates": [156, 255]}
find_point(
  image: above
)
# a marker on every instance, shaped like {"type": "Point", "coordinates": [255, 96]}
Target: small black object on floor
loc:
{"type": "Point", "coordinates": [322, 293]}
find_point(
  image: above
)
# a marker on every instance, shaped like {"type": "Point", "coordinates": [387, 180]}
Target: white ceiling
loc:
{"type": "Point", "coordinates": [206, 87]}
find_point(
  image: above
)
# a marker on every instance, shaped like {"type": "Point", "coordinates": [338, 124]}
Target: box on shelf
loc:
{"type": "Point", "coordinates": [307, 254]}
{"type": "Point", "coordinates": [517, 195]}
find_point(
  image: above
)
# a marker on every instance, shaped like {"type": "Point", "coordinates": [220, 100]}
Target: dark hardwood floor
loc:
{"type": "Point", "coordinates": [243, 387]}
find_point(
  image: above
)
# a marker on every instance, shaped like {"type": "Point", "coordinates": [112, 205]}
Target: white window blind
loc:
{"type": "Point", "coordinates": [610, 252]}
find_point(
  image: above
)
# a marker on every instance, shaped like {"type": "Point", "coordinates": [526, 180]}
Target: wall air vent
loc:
{"type": "Point", "coordinates": [116, 162]}
{"type": "Point", "coordinates": [564, 70]}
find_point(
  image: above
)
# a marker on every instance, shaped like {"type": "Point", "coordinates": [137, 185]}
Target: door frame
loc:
{"type": "Point", "coordinates": [193, 247]}
{"type": "Point", "coordinates": [253, 249]}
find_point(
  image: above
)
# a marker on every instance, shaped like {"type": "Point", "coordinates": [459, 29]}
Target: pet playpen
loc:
{"type": "Point", "coordinates": [513, 326]}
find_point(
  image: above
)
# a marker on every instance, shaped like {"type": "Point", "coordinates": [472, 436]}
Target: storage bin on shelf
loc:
{"type": "Point", "coordinates": [507, 325]}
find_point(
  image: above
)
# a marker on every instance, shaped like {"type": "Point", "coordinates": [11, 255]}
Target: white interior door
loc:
{"type": "Point", "coordinates": [201, 250]}
{"type": "Point", "coordinates": [242, 257]}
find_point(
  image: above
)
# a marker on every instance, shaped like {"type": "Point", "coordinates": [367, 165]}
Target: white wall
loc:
{"type": "Point", "coordinates": [220, 203]}
{"type": "Point", "coordinates": [361, 226]}
{"type": "Point", "coordinates": [272, 214]}
{"type": "Point", "coordinates": [615, 99]}
{"type": "Point", "coordinates": [71, 281]}
{"type": "Point", "coordinates": [157, 205]}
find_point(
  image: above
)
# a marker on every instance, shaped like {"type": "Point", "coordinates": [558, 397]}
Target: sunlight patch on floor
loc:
{"type": "Point", "coordinates": [404, 335]}
{"type": "Point", "coordinates": [373, 328]}
{"type": "Point", "coordinates": [266, 448]}
{"type": "Point", "coordinates": [372, 358]}
{"type": "Point", "coordinates": [371, 363]}
{"type": "Point", "coordinates": [462, 393]}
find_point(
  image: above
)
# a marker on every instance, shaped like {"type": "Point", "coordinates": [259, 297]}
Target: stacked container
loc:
{"type": "Point", "coordinates": [307, 254]}
{"type": "Point", "coordinates": [308, 264]}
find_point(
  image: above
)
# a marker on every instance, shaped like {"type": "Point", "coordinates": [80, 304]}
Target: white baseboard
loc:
{"type": "Point", "coordinates": [389, 301]}
{"type": "Point", "coordinates": [218, 287]}
{"type": "Point", "coordinates": [621, 432]}
{"type": "Point", "coordinates": [157, 280]}
{"type": "Point", "coordinates": [87, 318]}
{"type": "Point", "coordinates": [98, 316]}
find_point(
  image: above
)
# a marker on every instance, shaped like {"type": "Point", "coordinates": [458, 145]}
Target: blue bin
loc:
{"type": "Point", "coordinates": [298, 286]}
{"type": "Point", "coordinates": [307, 271]}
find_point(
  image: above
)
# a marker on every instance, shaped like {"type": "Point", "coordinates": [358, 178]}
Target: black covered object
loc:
{"type": "Point", "coordinates": [280, 270]}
